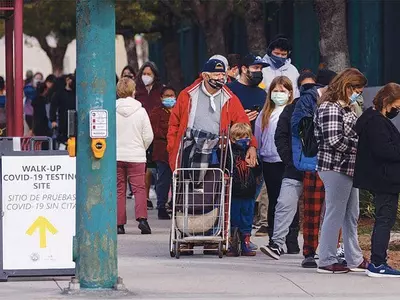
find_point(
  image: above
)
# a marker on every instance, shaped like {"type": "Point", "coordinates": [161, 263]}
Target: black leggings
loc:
{"type": "Point", "coordinates": [273, 175]}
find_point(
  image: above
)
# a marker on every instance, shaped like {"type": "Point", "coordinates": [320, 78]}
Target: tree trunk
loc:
{"type": "Point", "coordinates": [254, 19]}
{"type": "Point", "coordinates": [57, 60]}
{"type": "Point", "coordinates": [171, 58]}
{"type": "Point", "coordinates": [211, 17]}
{"type": "Point", "coordinates": [333, 34]}
{"type": "Point", "coordinates": [215, 39]}
{"type": "Point", "coordinates": [56, 55]}
{"type": "Point", "coordinates": [130, 47]}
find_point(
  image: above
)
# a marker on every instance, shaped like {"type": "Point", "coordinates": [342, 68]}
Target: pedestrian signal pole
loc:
{"type": "Point", "coordinates": [95, 243]}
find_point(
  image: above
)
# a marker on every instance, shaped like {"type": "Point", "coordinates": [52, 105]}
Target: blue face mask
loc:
{"type": "Point", "coordinates": [169, 102]}
{"type": "Point", "coordinates": [243, 143]}
{"type": "Point", "coordinates": [277, 61]}
{"type": "Point", "coordinates": [354, 97]}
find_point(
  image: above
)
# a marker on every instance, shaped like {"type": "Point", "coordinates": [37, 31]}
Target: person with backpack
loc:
{"type": "Point", "coordinates": [304, 150]}
{"type": "Point", "coordinates": [334, 123]}
{"type": "Point", "coordinates": [377, 170]}
{"type": "Point", "coordinates": [244, 185]}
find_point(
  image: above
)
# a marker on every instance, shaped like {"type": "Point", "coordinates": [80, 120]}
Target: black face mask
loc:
{"type": "Point", "coordinates": [254, 77]}
{"type": "Point", "coordinates": [392, 113]}
{"type": "Point", "coordinates": [306, 87]}
{"type": "Point", "coordinates": [216, 84]}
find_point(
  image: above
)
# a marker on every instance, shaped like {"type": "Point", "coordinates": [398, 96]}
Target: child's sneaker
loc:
{"type": "Point", "coordinates": [382, 271]}
{"type": "Point", "coordinates": [272, 250]}
{"type": "Point", "coordinates": [253, 246]}
{"type": "Point", "coordinates": [245, 243]}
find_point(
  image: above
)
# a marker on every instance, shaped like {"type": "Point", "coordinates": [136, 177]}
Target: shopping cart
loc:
{"type": "Point", "coordinates": [201, 205]}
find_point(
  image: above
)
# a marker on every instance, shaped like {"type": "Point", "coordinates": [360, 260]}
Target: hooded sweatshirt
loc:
{"type": "Point", "coordinates": [134, 132]}
{"type": "Point", "coordinates": [288, 70]}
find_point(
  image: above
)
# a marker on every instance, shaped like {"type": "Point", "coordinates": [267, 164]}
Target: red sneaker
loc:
{"type": "Point", "coordinates": [363, 267]}
{"type": "Point", "coordinates": [333, 269]}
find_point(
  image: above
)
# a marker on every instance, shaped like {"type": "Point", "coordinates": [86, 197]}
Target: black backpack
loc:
{"type": "Point", "coordinates": [307, 137]}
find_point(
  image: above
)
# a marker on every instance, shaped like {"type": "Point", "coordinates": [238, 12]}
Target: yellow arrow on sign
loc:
{"type": "Point", "coordinates": [42, 224]}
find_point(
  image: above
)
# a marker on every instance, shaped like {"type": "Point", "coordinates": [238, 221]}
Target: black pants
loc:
{"type": "Point", "coordinates": [385, 217]}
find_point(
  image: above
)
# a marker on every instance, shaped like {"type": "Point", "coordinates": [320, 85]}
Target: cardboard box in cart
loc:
{"type": "Point", "coordinates": [38, 191]}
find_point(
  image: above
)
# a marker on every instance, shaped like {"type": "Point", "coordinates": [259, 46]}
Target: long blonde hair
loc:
{"type": "Point", "coordinates": [269, 105]}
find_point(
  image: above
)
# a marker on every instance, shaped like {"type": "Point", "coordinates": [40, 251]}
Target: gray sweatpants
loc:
{"type": "Point", "coordinates": [286, 209]}
{"type": "Point", "coordinates": [342, 210]}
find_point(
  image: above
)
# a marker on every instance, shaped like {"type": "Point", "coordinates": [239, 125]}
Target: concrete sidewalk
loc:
{"type": "Point", "coordinates": [150, 273]}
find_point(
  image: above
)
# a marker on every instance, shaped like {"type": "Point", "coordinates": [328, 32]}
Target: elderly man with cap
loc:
{"type": "Point", "coordinates": [209, 106]}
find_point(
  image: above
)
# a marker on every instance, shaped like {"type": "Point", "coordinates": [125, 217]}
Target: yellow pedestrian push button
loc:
{"type": "Point", "coordinates": [98, 147]}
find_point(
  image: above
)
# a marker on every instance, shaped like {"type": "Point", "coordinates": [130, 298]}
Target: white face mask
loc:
{"type": "Point", "coordinates": [279, 98]}
{"type": "Point", "coordinates": [147, 80]}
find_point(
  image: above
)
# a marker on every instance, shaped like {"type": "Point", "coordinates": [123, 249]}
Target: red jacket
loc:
{"type": "Point", "coordinates": [232, 112]}
{"type": "Point", "coordinates": [149, 100]}
{"type": "Point", "coordinates": [159, 119]}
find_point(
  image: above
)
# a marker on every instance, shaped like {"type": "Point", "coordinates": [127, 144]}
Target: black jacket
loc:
{"type": "Point", "coordinates": [283, 142]}
{"type": "Point", "coordinates": [61, 102]}
{"type": "Point", "coordinates": [244, 178]}
{"type": "Point", "coordinates": [378, 154]}
{"type": "Point", "coordinates": [40, 120]}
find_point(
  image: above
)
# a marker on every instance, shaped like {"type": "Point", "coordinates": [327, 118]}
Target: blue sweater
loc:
{"type": "Point", "coordinates": [249, 96]}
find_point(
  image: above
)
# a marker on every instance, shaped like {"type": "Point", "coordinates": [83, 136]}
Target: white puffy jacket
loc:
{"type": "Point", "coordinates": [134, 132]}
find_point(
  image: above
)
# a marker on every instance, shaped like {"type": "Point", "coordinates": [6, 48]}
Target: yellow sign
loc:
{"type": "Point", "coordinates": [42, 224]}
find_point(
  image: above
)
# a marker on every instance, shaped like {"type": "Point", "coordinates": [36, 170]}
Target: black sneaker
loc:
{"type": "Point", "coordinates": [309, 263]}
{"type": "Point", "coordinates": [149, 205]}
{"type": "Point", "coordinates": [163, 214]}
{"type": "Point", "coordinates": [120, 229]}
{"type": "Point", "coordinates": [272, 250]}
{"type": "Point", "coordinates": [262, 231]}
{"type": "Point", "coordinates": [144, 226]}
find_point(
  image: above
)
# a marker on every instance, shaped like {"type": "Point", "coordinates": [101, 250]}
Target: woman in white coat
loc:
{"type": "Point", "coordinates": [134, 136]}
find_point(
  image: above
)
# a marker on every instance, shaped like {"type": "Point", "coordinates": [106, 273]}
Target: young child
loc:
{"type": "Point", "coordinates": [244, 185]}
{"type": "Point", "coordinates": [159, 118]}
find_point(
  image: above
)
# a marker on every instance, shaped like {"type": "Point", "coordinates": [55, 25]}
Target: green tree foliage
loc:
{"type": "Point", "coordinates": [131, 18]}
{"type": "Point", "coordinates": [51, 18]}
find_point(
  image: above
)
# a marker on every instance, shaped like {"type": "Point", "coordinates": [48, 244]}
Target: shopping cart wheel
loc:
{"type": "Point", "coordinates": [177, 250]}
{"type": "Point", "coordinates": [171, 252]}
{"type": "Point", "coordinates": [220, 250]}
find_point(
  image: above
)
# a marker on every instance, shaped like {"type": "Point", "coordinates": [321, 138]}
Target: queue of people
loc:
{"type": "Point", "coordinates": [295, 136]}
{"type": "Point", "coordinates": [308, 144]}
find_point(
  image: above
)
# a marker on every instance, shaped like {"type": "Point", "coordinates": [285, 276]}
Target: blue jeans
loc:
{"type": "Point", "coordinates": [242, 211]}
{"type": "Point", "coordinates": [164, 183]}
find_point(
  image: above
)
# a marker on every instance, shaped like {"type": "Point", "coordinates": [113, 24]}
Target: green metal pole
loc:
{"type": "Point", "coordinates": [95, 245]}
